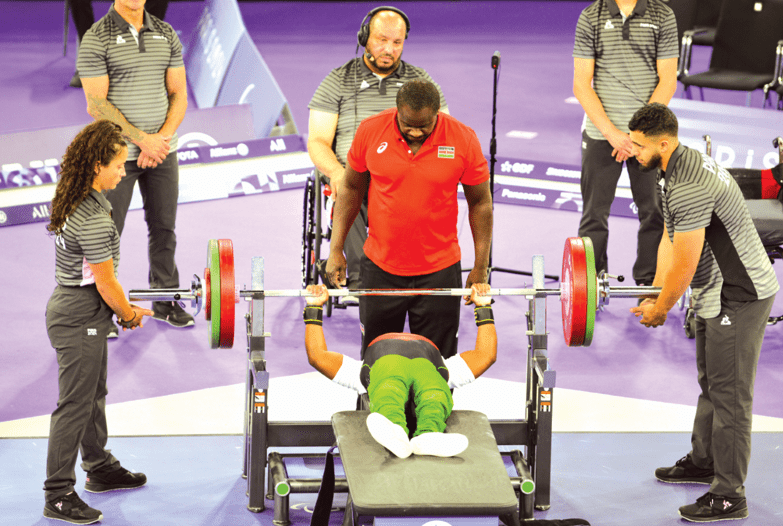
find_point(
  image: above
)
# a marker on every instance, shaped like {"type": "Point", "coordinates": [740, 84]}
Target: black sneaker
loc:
{"type": "Point", "coordinates": [70, 508]}
{"type": "Point", "coordinates": [114, 332]}
{"type": "Point", "coordinates": [172, 313]}
{"type": "Point", "coordinates": [712, 508]}
{"type": "Point", "coordinates": [685, 472]}
{"type": "Point", "coordinates": [111, 479]}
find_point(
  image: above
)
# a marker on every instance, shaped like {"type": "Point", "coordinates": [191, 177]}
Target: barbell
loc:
{"type": "Point", "coordinates": [581, 292]}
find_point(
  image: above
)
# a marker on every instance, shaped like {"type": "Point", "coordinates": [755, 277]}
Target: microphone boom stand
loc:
{"type": "Point", "coordinates": [492, 160]}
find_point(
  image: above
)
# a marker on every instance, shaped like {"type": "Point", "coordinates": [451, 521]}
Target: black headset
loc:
{"type": "Point", "coordinates": [364, 31]}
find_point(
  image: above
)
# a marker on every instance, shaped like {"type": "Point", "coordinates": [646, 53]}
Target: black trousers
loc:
{"type": "Point", "coordinates": [354, 248]}
{"type": "Point", "coordinates": [354, 245]}
{"type": "Point", "coordinates": [77, 322]}
{"type": "Point", "coordinates": [727, 354]}
{"type": "Point", "coordinates": [600, 173]}
{"type": "Point", "coordinates": [434, 317]}
{"type": "Point", "coordinates": [159, 189]}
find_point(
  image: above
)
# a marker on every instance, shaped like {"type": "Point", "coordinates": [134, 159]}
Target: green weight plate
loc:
{"type": "Point", "coordinates": [213, 263]}
{"type": "Point", "coordinates": [592, 291]}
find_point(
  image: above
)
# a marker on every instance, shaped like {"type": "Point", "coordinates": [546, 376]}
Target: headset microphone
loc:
{"type": "Point", "coordinates": [369, 56]}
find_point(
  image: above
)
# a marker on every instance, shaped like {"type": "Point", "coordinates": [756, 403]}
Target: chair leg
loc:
{"type": "Point", "coordinates": [701, 93]}
{"type": "Point", "coordinates": [65, 29]}
{"type": "Point", "coordinates": [687, 93]}
{"type": "Point", "coordinates": [748, 99]}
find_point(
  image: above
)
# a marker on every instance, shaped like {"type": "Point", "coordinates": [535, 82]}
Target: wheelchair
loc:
{"type": "Point", "coordinates": [318, 203]}
{"type": "Point", "coordinates": [767, 214]}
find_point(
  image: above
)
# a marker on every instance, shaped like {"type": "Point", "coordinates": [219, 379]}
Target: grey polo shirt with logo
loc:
{"type": "Point", "coordinates": [136, 63]}
{"type": "Point", "coordinates": [699, 193]}
{"type": "Point", "coordinates": [625, 54]}
{"type": "Point", "coordinates": [354, 92]}
{"type": "Point", "coordinates": [88, 236]}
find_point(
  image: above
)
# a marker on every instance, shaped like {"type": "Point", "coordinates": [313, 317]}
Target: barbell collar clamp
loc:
{"type": "Point", "coordinates": [162, 295]}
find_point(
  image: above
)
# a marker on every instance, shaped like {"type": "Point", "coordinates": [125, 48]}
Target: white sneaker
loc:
{"type": "Point", "coordinates": [350, 300]}
{"type": "Point", "coordinates": [439, 444]}
{"type": "Point", "coordinates": [389, 435]}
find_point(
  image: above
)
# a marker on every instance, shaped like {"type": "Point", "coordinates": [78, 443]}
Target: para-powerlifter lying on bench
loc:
{"type": "Point", "coordinates": [396, 364]}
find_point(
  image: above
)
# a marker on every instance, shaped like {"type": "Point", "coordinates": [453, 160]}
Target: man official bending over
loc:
{"type": "Point", "coordinates": [409, 160]}
{"type": "Point", "coordinates": [396, 363]}
{"type": "Point", "coordinates": [710, 243]}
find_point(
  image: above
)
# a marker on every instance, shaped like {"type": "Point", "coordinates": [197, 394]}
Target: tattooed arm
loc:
{"type": "Point", "coordinates": [154, 145]}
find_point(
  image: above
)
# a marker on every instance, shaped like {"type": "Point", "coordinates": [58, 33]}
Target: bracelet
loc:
{"type": "Point", "coordinates": [313, 315]}
{"type": "Point", "coordinates": [127, 324]}
{"type": "Point", "coordinates": [483, 315]}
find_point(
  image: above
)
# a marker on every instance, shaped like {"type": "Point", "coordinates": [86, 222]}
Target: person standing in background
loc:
{"type": "Point", "coordinates": [625, 55]}
{"type": "Point", "coordinates": [131, 66]}
{"type": "Point", "coordinates": [361, 87]}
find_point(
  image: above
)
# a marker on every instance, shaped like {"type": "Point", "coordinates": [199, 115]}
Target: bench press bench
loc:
{"type": "Point", "coordinates": [474, 484]}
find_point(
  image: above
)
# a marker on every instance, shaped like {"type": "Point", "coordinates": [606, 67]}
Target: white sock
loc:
{"type": "Point", "coordinates": [390, 435]}
{"type": "Point", "coordinates": [439, 444]}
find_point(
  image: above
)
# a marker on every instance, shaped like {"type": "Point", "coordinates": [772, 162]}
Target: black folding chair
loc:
{"type": "Point", "coordinates": [685, 13]}
{"type": "Point", "coordinates": [744, 53]}
{"type": "Point", "coordinates": [706, 20]}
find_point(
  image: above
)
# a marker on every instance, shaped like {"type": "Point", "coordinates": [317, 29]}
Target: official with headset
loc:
{"type": "Point", "coordinates": [363, 86]}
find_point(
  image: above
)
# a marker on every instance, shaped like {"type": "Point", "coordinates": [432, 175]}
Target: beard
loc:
{"type": "Point", "coordinates": [653, 164]}
{"type": "Point", "coordinates": [384, 70]}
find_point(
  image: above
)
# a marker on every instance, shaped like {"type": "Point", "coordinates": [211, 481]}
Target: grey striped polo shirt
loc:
{"type": "Point", "coordinates": [136, 66]}
{"type": "Point", "coordinates": [354, 93]}
{"type": "Point", "coordinates": [88, 236]}
{"type": "Point", "coordinates": [702, 194]}
{"type": "Point", "coordinates": [626, 55]}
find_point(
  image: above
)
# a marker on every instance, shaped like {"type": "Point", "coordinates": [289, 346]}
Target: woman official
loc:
{"type": "Point", "coordinates": [78, 318]}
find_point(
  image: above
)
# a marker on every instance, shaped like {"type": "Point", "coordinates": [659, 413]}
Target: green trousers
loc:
{"type": "Point", "coordinates": [391, 379]}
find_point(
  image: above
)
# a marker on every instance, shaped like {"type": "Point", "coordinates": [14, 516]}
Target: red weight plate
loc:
{"type": "Point", "coordinates": [207, 297]}
{"type": "Point", "coordinates": [573, 291]}
{"type": "Point", "coordinates": [227, 293]}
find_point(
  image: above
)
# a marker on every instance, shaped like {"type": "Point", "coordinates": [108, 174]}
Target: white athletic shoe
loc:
{"type": "Point", "coordinates": [389, 435]}
{"type": "Point", "coordinates": [439, 444]}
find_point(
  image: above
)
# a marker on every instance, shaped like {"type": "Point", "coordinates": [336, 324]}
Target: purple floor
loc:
{"type": "Point", "coordinates": [454, 42]}
{"type": "Point", "coordinates": [197, 481]}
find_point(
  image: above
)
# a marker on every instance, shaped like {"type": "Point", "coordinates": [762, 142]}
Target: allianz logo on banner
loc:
{"type": "Point", "coordinates": [240, 149]}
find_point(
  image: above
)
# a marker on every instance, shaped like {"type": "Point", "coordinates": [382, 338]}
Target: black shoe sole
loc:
{"type": "Point", "coordinates": [191, 323]}
{"type": "Point", "coordinates": [717, 518]}
{"type": "Point", "coordinates": [704, 480]}
{"type": "Point", "coordinates": [103, 488]}
{"type": "Point", "coordinates": [49, 514]}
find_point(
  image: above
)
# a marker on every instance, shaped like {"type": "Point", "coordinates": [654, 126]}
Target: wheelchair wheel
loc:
{"type": "Point", "coordinates": [308, 234]}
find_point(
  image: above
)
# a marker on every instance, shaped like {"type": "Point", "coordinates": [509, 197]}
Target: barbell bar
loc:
{"type": "Point", "coordinates": [191, 294]}
{"type": "Point", "coordinates": [581, 292]}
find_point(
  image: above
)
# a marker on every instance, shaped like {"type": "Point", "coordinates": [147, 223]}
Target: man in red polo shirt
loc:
{"type": "Point", "coordinates": [415, 157]}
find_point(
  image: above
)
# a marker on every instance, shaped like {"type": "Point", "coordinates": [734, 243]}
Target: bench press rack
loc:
{"type": "Point", "coordinates": [534, 432]}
